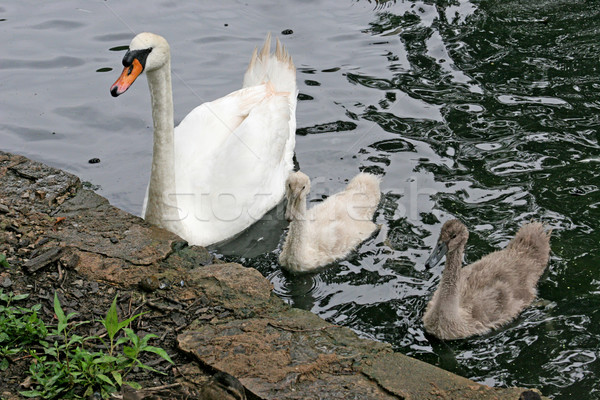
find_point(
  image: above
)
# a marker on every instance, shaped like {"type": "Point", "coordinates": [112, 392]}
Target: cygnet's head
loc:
{"type": "Point", "coordinates": [452, 236]}
{"type": "Point", "coordinates": [147, 52]}
{"type": "Point", "coordinates": [296, 189]}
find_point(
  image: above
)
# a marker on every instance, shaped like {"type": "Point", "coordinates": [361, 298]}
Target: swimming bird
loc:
{"type": "Point", "coordinates": [226, 163]}
{"type": "Point", "coordinates": [330, 230]}
{"type": "Point", "coordinates": [222, 386]}
{"type": "Point", "coordinates": [490, 292]}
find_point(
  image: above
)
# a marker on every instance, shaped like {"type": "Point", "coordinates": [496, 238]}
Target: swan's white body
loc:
{"type": "Point", "coordinates": [479, 297]}
{"type": "Point", "coordinates": [330, 230]}
{"type": "Point", "coordinates": [226, 163]}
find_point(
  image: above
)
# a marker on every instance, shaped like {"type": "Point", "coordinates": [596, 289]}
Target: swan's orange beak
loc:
{"type": "Point", "coordinates": [128, 76]}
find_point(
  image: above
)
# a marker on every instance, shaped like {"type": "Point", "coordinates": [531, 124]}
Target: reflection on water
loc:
{"type": "Point", "coordinates": [484, 111]}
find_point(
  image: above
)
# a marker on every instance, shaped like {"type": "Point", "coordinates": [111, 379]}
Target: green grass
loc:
{"type": "Point", "coordinates": [19, 326]}
{"type": "Point", "coordinates": [66, 365]}
{"type": "Point", "coordinates": [3, 261]}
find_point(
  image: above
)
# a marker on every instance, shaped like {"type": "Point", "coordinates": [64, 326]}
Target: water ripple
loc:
{"type": "Point", "coordinates": [56, 62]}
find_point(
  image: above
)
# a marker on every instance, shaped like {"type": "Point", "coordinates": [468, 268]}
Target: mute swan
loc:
{"type": "Point", "coordinates": [226, 163]}
{"type": "Point", "coordinates": [490, 292]}
{"type": "Point", "coordinates": [331, 229]}
{"type": "Point", "coordinates": [222, 386]}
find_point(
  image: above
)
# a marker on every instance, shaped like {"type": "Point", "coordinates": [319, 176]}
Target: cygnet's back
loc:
{"type": "Point", "coordinates": [332, 229]}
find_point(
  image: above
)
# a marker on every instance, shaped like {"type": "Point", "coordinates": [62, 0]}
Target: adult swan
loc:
{"type": "Point", "coordinates": [226, 163]}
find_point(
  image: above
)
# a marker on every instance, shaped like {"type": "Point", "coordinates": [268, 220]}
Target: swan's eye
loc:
{"type": "Point", "coordinates": [140, 55]}
{"type": "Point", "coordinates": [303, 187]}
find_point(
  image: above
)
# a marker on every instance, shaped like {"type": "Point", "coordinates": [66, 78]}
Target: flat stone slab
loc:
{"type": "Point", "coordinates": [279, 352]}
{"type": "Point", "coordinates": [276, 351]}
{"type": "Point", "coordinates": [408, 378]}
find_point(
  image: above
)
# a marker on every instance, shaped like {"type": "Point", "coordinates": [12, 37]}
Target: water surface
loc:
{"type": "Point", "coordinates": [485, 111]}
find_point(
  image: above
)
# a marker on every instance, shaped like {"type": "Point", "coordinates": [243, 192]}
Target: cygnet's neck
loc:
{"type": "Point", "coordinates": [162, 209]}
{"type": "Point", "coordinates": [297, 223]}
{"type": "Point", "coordinates": [449, 290]}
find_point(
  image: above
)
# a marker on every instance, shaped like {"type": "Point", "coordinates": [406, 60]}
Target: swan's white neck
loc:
{"type": "Point", "coordinates": [162, 209]}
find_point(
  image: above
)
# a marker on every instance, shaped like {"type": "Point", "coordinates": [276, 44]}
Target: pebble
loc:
{"type": "Point", "coordinates": [6, 283]}
{"type": "Point", "coordinates": [164, 285]}
{"type": "Point", "coordinates": [149, 283]}
{"type": "Point", "coordinates": [287, 32]}
{"type": "Point", "coordinates": [94, 287]}
{"type": "Point", "coordinates": [78, 283]}
{"type": "Point", "coordinates": [94, 160]}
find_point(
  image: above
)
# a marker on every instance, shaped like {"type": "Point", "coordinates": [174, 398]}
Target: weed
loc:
{"type": "Point", "coordinates": [3, 261]}
{"type": "Point", "coordinates": [19, 326]}
{"type": "Point", "coordinates": [69, 368]}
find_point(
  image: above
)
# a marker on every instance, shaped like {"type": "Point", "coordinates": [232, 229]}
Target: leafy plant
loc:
{"type": "Point", "coordinates": [19, 326]}
{"type": "Point", "coordinates": [70, 369]}
{"type": "Point", "coordinates": [3, 261]}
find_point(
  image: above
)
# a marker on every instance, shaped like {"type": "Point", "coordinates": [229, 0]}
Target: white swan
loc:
{"type": "Point", "coordinates": [226, 163]}
{"type": "Point", "coordinates": [330, 230]}
{"type": "Point", "coordinates": [490, 292]}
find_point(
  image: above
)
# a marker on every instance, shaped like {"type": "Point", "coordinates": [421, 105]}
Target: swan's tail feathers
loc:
{"type": "Point", "coordinates": [277, 68]}
{"type": "Point", "coordinates": [533, 240]}
{"type": "Point", "coordinates": [266, 49]}
{"type": "Point", "coordinates": [368, 184]}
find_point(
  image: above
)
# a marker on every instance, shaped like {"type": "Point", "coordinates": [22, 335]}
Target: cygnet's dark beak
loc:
{"type": "Point", "coordinates": [436, 255]}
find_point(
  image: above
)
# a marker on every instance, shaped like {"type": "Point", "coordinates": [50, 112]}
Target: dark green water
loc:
{"type": "Point", "coordinates": [516, 85]}
{"type": "Point", "coordinates": [485, 111]}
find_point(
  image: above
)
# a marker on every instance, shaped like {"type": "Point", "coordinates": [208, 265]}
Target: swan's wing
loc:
{"type": "Point", "coordinates": [200, 137]}
{"type": "Point", "coordinates": [335, 229]}
{"type": "Point", "coordinates": [227, 183]}
{"type": "Point", "coordinates": [199, 141]}
{"type": "Point", "coordinates": [206, 127]}
{"type": "Point", "coordinates": [492, 288]}
{"type": "Point", "coordinates": [254, 164]}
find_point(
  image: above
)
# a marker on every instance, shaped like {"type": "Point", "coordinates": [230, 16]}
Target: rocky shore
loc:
{"type": "Point", "coordinates": [208, 315]}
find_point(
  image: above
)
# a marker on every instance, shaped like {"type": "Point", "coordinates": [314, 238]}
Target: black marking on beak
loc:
{"type": "Point", "coordinates": [140, 55]}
